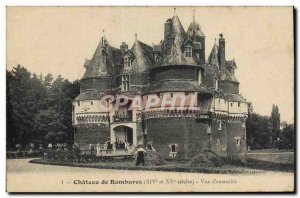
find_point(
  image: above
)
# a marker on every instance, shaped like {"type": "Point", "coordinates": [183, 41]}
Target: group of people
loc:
{"type": "Point", "coordinates": [121, 145]}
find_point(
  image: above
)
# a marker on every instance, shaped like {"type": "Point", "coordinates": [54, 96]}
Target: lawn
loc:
{"type": "Point", "coordinates": [253, 166]}
{"type": "Point", "coordinates": [276, 156]}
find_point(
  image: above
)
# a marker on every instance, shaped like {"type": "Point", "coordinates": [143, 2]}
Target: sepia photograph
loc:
{"type": "Point", "coordinates": [150, 99]}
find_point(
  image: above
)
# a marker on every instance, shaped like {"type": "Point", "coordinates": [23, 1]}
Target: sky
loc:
{"type": "Point", "coordinates": [57, 40]}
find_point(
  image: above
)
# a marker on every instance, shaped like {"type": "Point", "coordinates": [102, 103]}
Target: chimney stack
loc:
{"type": "Point", "coordinates": [168, 37]}
{"type": "Point", "coordinates": [123, 47]}
{"type": "Point", "coordinates": [221, 53]}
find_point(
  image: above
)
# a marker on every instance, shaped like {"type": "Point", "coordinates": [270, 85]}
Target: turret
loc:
{"type": "Point", "coordinates": [198, 38]}
{"type": "Point", "coordinates": [221, 53]}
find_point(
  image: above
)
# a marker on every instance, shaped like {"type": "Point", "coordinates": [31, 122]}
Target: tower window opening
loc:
{"type": "Point", "coordinates": [219, 125]}
{"type": "Point", "coordinates": [173, 150]}
{"type": "Point", "coordinates": [199, 76]}
{"type": "Point", "coordinates": [78, 103]}
{"type": "Point", "coordinates": [237, 141]}
{"type": "Point", "coordinates": [218, 142]}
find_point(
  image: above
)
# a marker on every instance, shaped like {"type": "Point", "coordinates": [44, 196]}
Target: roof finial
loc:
{"type": "Point", "coordinates": [175, 12]}
{"type": "Point", "coordinates": [194, 10]}
{"type": "Point", "coordinates": [135, 36]}
{"type": "Point", "coordinates": [103, 39]}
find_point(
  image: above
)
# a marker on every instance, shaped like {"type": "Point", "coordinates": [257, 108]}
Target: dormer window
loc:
{"type": "Point", "coordinates": [188, 51]}
{"type": "Point", "coordinates": [127, 62]}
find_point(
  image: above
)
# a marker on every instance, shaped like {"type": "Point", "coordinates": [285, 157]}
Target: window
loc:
{"type": "Point", "coordinates": [237, 141]}
{"type": "Point", "coordinates": [173, 150]}
{"type": "Point", "coordinates": [209, 129]}
{"type": "Point", "coordinates": [219, 100]}
{"type": "Point", "coordinates": [243, 125]}
{"type": "Point", "coordinates": [171, 95]}
{"type": "Point", "coordinates": [125, 82]}
{"type": "Point", "coordinates": [188, 52]}
{"type": "Point", "coordinates": [200, 77]}
{"type": "Point", "coordinates": [218, 142]}
{"type": "Point", "coordinates": [239, 104]}
{"type": "Point", "coordinates": [231, 104]}
{"type": "Point", "coordinates": [78, 103]}
{"type": "Point", "coordinates": [127, 62]}
{"type": "Point", "coordinates": [73, 107]}
{"type": "Point", "coordinates": [219, 125]}
{"type": "Point", "coordinates": [92, 103]}
{"type": "Point", "coordinates": [155, 57]}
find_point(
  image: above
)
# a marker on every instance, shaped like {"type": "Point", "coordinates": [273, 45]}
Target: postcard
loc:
{"type": "Point", "coordinates": [150, 99]}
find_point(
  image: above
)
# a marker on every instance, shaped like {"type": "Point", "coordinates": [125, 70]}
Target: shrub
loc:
{"type": "Point", "coordinates": [206, 158]}
{"type": "Point", "coordinates": [153, 158]}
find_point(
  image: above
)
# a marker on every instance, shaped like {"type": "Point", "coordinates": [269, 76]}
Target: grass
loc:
{"type": "Point", "coordinates": [276, 156]}
{"type": "Point", "coordinates": [252, 166]}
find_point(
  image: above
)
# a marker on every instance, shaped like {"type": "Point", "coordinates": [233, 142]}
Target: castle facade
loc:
{"type": "Point", "coordinates": [187, 103]}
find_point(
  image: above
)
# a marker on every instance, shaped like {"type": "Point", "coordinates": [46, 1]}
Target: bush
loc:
{"type": "Point", "coordinates": [153, 158]}
{"type": "Point", "coordinates": [207, 159]}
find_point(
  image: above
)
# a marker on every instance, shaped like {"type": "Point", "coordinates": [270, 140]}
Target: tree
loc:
{"type": "Point", "coordinates": [24, 92]}
{"type": "Point", "coordinates": [288, 136]}
{"type": "Point", "coordinates": [275, 123]}
{"type": "Point", "coordinates": [258, 131]}
{"type": "Point", "coordinates": [37, 106]}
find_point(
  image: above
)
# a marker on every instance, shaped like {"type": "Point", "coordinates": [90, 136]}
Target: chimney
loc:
{"type": "Point", "coordinates": [123, 47]}
{"type": "Point", "coordinates": [168, 37]}
{"type": "Point", "coordinates": [221, 53]}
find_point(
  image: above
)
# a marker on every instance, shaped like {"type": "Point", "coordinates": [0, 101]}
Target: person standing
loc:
{"type": "Point", "coordinates": [98, 150]}
{"type": "Point", "coordinates": [140, 155]}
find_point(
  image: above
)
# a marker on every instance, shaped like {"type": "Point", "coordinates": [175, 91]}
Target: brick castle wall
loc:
{"type": "Point", "coordinates": [84, 136]}
{"type": "Point", "coordinates": [190, 135]}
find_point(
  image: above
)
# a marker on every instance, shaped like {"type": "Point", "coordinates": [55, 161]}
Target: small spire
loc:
{"type": "Point", "coordinates": [103, 39]}
{"type": "Point", "coordinates": [135, 36]}
{"type": "Point", "coordinates": [194, 10]}
{"type": "Point", "coordinates": [175, 12]}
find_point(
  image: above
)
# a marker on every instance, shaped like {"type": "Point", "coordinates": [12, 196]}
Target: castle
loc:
{"type": "Point", "coordinates": [212, 116]}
